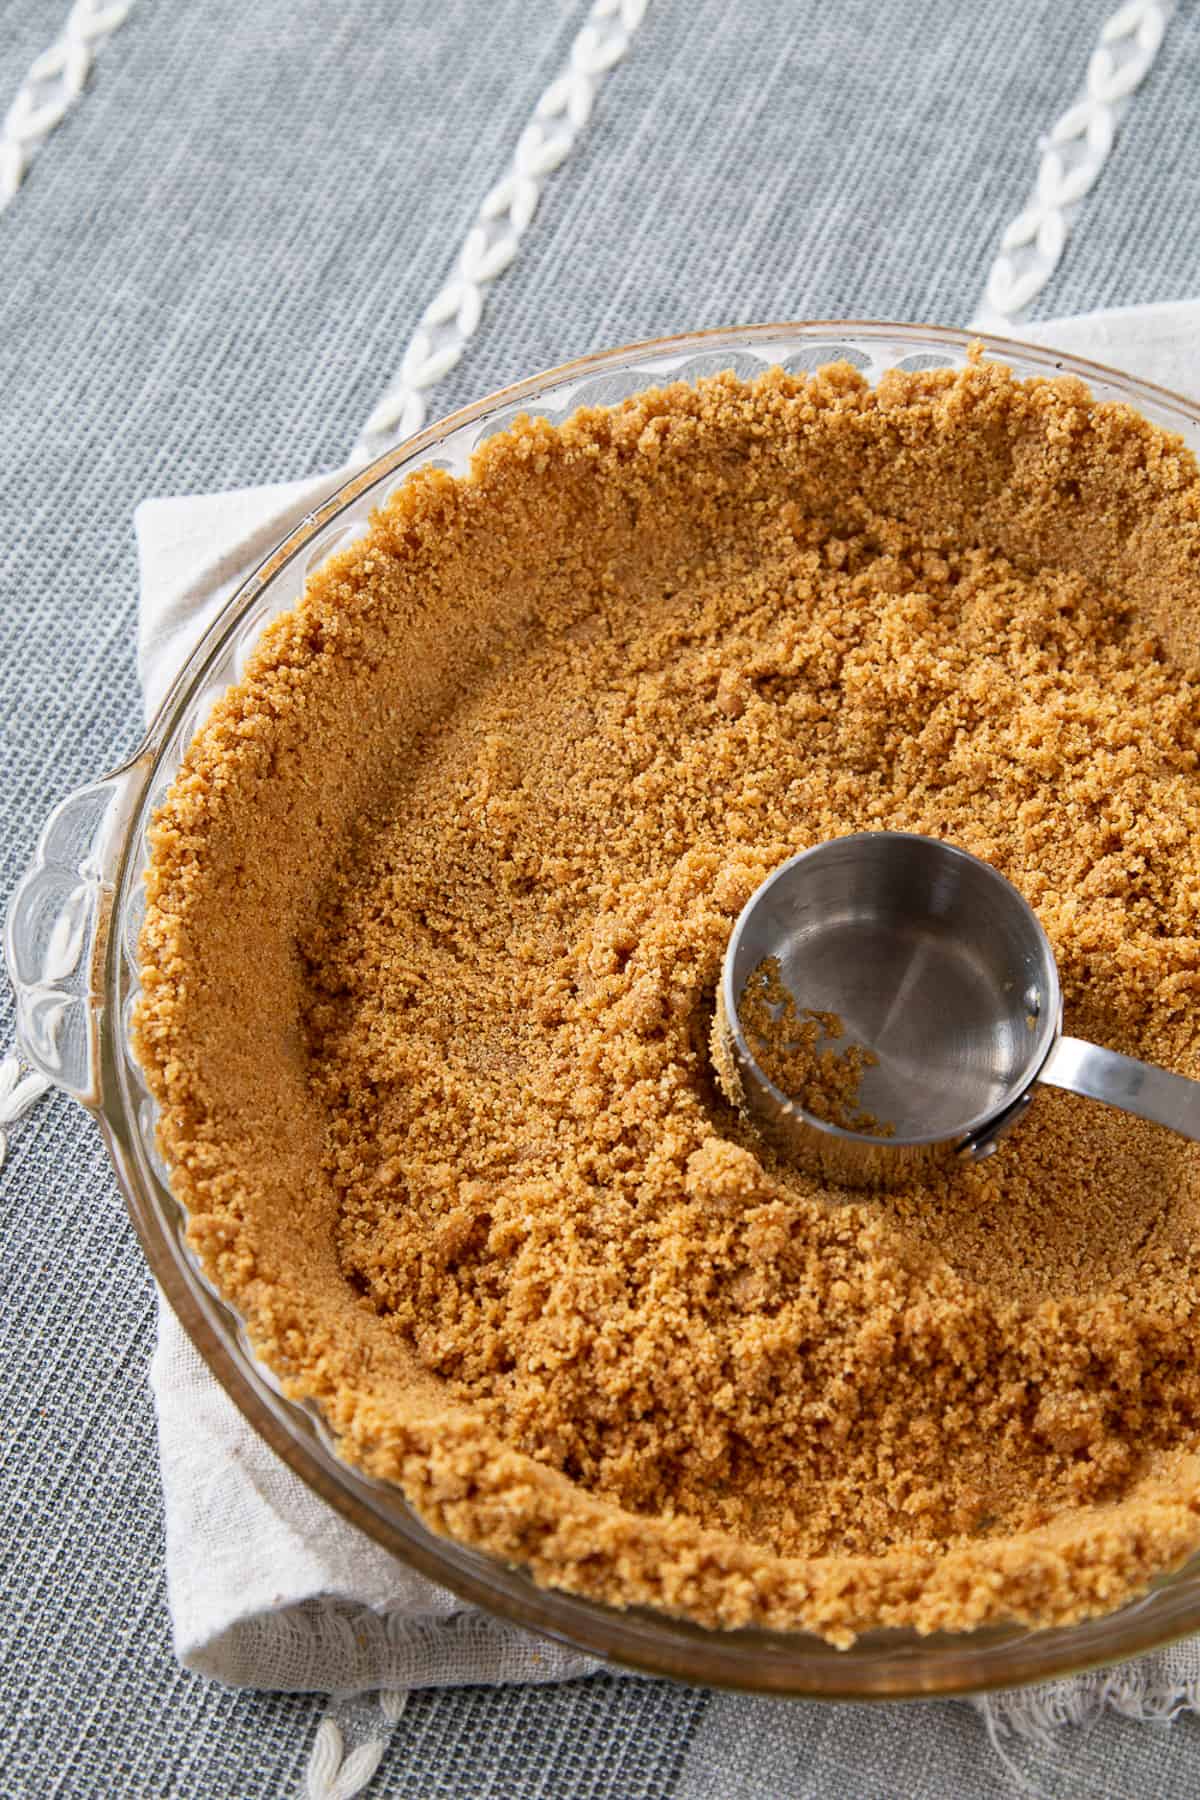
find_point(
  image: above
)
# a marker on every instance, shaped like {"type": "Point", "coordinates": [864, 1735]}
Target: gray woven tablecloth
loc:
{"type": "Point", "coordinates": [209, 274]}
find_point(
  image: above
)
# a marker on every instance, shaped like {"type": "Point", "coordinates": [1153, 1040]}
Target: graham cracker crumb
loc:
{"type": "Point", "coordinates": [436, 913]}
{"type": "Point", "coordinates": [822, 1077]}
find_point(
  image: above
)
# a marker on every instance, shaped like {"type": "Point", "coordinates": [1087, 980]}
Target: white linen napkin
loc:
{"type": "Point", "coordinates": [267, 1586]}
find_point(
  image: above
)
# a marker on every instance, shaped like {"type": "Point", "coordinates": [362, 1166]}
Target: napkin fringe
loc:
{"type": "Point", "coordinates": [1039, 1715]}
{"type": "Point", "coordinates": [334, 1646]}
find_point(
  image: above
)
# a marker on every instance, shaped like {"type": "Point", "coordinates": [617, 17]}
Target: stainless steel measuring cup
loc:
{"type": "Point", "coordinates": [934, 974]}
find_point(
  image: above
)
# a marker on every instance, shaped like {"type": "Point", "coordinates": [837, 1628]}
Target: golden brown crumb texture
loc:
{"type": "Point", "coordinates": [802, 1052]}
{"type": "Point", "coordinates": [437, 907]}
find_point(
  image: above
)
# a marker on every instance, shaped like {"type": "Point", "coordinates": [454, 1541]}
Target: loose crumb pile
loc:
{"type": "Point", "coordinates": [799, 1049]}
{"type": "Point", "coordinates": [437, 910]}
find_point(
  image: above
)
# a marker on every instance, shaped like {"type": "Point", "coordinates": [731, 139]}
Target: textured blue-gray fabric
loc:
{"type": "Point", "coordinates": [208, 277]}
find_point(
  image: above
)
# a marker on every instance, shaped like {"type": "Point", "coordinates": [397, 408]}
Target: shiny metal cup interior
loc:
{"type": "Point", "coordinates": [930, 969]}
{"type": "Point", "coordinates": [71, 949]}
{"type": "Point", "coordinates": [931, 962]}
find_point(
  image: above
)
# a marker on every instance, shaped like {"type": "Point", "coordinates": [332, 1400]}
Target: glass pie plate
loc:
{"type": "Point", "coordinates": [71, 946]}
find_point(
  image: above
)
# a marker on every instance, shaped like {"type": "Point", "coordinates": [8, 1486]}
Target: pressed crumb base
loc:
{"type": "Point", "coordinates": [436, 913]}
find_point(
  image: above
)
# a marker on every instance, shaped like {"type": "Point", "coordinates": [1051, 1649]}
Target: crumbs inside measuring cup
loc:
{"type": "Point", "coordinates": [795, 1047]}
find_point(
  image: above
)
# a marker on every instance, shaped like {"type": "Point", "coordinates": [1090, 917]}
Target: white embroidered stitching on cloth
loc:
{"type": "Point", "coordinates": [1074, 153]}
{"type": "Point", "coordinates": [54, 83]}
{"type": "Point", "coordinates": [17, 1095]}
{"type": "Point", "coordinates": [452, 316]}
{"type": "Point", "coordinates": [336, 1773]}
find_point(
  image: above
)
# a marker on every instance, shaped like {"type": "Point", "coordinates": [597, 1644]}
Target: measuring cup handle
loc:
{"type": "Point", "coordinates": [1136, 1087]}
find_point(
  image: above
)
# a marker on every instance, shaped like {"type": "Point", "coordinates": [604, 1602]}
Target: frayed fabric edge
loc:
{"type": "Point", "coordinates": [1038, 1715]}
{"type": "Point", "coordinates": [332, 1645]}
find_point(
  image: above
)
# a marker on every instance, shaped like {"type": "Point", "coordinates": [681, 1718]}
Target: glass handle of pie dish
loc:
{"type": "Point", "coordinates": [56, 932]}
{"type": "Point", "coordinates": [1135, 1087]}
